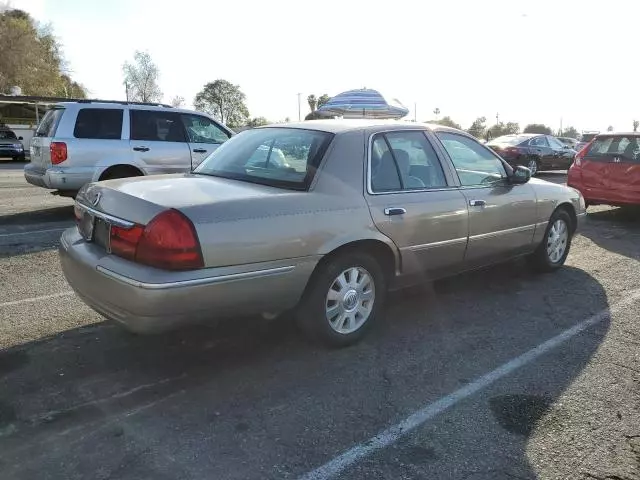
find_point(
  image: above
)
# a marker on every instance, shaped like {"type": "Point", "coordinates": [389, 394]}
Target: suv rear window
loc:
{"type": "Point", "coordinates": [625, 147]}
{"type": "Point", "coordinates": [49, 123]}
{"type": "Point", "coordinates": [99, 123]}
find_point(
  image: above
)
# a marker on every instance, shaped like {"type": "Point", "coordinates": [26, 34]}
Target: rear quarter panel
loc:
{"type": "Point", "coordinates": [293, 224]}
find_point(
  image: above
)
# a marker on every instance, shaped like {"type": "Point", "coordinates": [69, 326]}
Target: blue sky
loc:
{"type": "Point", "coordinates": [529, 61]}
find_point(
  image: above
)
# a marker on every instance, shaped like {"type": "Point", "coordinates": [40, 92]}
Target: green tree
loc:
{"type": "Point", "coordinates": [446, 121]}
{"type": "Point", "coordinates": [501, 128]}
{"type": "Point", "coordinates": [636, 124]}
{"type": "Point", "coordinates": [478, 128]}
{"type": "Point", "coordinates": [537, 128]}
{"type": "Point", "coordinates": [224, 101]}
{"type": "Point", "coordinates": [313, 102]}
{"type": "Point", "coordinates": [324, 98]}
{"type": "Point", "coordinates": [570, 132]}
{"type": "Point", "coordinates": [257, 122]}
{"type": "Point", "coordinates": [141, 79]}
{"type": "Point", "coordinates": [610, 128]}
{"type": "Point", "coordinates": [31, 58]}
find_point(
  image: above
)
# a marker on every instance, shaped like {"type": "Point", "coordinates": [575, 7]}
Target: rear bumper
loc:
{"type": "Point", "coordinates": [605, 196]}
{"type": "Point", "coordinates": [147, 300]}
{"type": "Point", "coordinates": [12, 152]}
{"type": "Point", "coordinates": [58, 178]}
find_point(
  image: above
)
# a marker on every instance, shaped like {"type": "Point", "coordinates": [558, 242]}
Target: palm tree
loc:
{"type": "Point", "coordinates": [313, 102]}
{"type": "Point", "coordinates": [436, 112]}
{"type": "Point", "coordinates": [636, 124]}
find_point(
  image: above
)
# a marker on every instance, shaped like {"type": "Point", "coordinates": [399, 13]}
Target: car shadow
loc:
{"type": "Point", "coordinates": [44, 215]}
{"type": "Point", "coordinates": [554, 176]}
{"type": "Point", "coordinates": [249, 399]}
{"type": "Point", "coordinates": [614, 229]}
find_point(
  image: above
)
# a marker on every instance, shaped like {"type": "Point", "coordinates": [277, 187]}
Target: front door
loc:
{"type": "Point", "coordinates": [543, 151]}
{"type": "Point", "coordinates": [502, 216]}
{"type": "Point", "coordinates": [158, 141]}
{"type": "Point", "coordinates": [204, 136]}
{"type": "Point", "coordinates": [413, 202]}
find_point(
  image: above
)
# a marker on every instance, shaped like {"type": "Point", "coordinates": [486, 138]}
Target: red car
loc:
{"type": "Point", "coordinates": [607, 170]}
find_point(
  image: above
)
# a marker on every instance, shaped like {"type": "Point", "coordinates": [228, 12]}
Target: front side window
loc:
{"type": "Point", "coordinates": [475, 164]}
{"type": "Point", "coordinates": [203, 130]}
{"type": "Point", "coordinates": [99, 123]}
{"type": "Point", "coordinates": [156, 126]}
{"type": "Point", "coordinates": [404, 160]}
{"type": "Point", "coordinates": [555, 143]}
{"type": "Point", "coordinates": [282, 157]}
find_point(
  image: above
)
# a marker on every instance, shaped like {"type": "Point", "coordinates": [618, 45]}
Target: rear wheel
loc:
{"type": "Point", "coordinates": [554, 248]}
{"type": "Point", "coordinates": [343, 299]}
{"type": "Point", "coordinates": [533, 165]}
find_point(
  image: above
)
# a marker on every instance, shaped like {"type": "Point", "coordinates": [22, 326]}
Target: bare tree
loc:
{"type": "Point", "coordinates": [177, 101]}
{"type": "Point", "coordinates": [141, 79]}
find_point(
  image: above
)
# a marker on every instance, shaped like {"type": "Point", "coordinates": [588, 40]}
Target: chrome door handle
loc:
{"type": "Point", "coordinates": [394, 211]}
{"type": "Point", "coordinates": [477, 203]}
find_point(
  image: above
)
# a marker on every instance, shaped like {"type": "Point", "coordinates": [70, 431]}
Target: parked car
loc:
{"type": "Point", "coordinates": [536, 152]}
{"type": "Point", "coordinates": [11, 146]}
{"type": "Point", "coordinates": [585, 138]}
{"type": "Point", "coordinates": [571, 142]}
{"type": "Point", "coordinates": [360, 207]}
{"type": "Point", "coordinates": [607, 170]}
{"type": "Point", "coordinates": [86, 141]}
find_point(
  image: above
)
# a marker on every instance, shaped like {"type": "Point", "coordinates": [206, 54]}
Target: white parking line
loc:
{"type": "Point", "coordinates": [395, 432]}
{"type": "Point", "coordinates": [36, 299]}
{"type": "Point", "coordinates": [32, 232]}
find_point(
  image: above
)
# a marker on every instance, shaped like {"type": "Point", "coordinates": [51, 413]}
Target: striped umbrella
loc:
{"type": "Point", "coordinates": [363, 103]}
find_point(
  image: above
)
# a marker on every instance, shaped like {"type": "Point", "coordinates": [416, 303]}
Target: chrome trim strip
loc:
{"type": "Point", "coordinates": [502, 232]}
{"type": "Point", "coordinates": [119, 222]}
{"type": "Point", "coordinates": [442, 243]}
{"type": "Point", "coordinates": [196, 281]}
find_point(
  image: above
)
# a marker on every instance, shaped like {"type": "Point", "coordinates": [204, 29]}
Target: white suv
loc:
{"type": "Point", "coordinates": [87, 141]}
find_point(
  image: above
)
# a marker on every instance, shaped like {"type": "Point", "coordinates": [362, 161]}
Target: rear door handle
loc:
{"type": "Point", "coordinates": [199, 150]}
{"type": "Point", "coordinates": [141, 149]}
{"type": "Point", "coordinates": [477, 203]}
{"type": "Point", "coordinates": [394, 211]}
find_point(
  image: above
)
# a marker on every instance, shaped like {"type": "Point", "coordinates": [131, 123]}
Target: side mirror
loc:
{"type": "Point", "coordinates": [520, 175]}
{"type": "Point", "coordinates": [20, 138]}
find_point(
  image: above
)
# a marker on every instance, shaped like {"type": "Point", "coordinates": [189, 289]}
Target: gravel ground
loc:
{"type": "Point", "coordinates": [80, 398]}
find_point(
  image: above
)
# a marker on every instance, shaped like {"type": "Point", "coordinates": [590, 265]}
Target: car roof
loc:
{"type": "Point", "coordinates": [346, 125]}
{"type": "Point", "coordinates": [616, 134]}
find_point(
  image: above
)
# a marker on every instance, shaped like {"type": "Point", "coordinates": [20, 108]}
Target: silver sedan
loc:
{"type": "Point", "coordinates": [320, 218]}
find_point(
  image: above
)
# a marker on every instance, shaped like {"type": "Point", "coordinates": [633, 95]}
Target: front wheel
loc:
{"type": "Point", "coordinates": [554, 248]}
{"type": "Point", "coordinates": [533, 165]}
{"type": "Point", "coordinates": [342, 300]}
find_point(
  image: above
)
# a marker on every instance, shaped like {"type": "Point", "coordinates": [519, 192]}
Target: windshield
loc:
{"type": "Point", "coordinates": [510, 139]}
{"type": "Point", "coordinates": [282, 157]}
{"type": "Point", "coordinates": [7, 135]}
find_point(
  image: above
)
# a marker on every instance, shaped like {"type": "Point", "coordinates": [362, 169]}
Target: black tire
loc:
{"type": "Point", "coordinates": [310, 314]}
{"type": "Point", "coordinates": [120, 172]}
{"type": "Point", "coordinates": [540, 260]}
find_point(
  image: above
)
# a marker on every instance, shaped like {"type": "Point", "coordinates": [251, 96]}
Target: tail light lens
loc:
{"type": "Point", "coordinates": [58, 152]}
{"type": "Point", "coordinates": [169, 242]}
{"type": "Point", "coordinates": [577, 161]}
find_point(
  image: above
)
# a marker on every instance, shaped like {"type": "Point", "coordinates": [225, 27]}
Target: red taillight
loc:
{"type": "Point", "coordinates": [577, 161]}
{"type": "Point", "coordinates": [58, 152]}
{"type": "Point", "coordinates": [511, 151]}
{"type": "Point", "coordinates": [124, 242]}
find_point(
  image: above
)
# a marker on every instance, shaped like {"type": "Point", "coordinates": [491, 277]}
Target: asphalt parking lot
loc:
{"type": "Point", "coordinates": [498, 374]}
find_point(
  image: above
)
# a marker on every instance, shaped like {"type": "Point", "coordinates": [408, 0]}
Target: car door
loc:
{"type": "Point", "coordinates": [502, 215]}
{"type": "Point", "coordinates": [415, 201]}
{"type": "Point", "coordinates": [204, 136]}
{"type": "Point", "coordinates": [158, 141]}
{"type": "Point", "coordinates": [542, 150]}
{"type": "Point", "coordinates": [562, 154]}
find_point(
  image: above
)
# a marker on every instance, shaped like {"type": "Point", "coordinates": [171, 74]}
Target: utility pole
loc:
{"type": "Point", "coordinates": [126, 90]}
{"type": "Point", "coordinates": [497, 119]}
{"type": "Point", "coordinates": [560, 126]}
{"type": "Point", "coordinates": [415, 111]}
{"type": "Point", "coordinates": [299, 115]}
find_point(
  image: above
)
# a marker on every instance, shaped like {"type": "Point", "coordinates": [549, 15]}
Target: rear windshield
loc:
{"type": "Point", "coordinates": [509, 140]}
{"type": "Point", "coordinates": [281, 157]}
{"type": "Point", "coordinates": [7, 135]}
{"type": "Point", "coordinates": [49, 123]}
{"type": "Point", "coordinates": [625, 147]}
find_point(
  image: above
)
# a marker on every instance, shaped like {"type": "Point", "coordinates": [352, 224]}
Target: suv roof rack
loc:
{"type": "Point", "coordinates": [123, 102]}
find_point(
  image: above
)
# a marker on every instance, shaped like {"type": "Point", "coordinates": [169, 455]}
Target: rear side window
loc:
{"type": "Point", "coordinates": [99, 123]}
{"type": "Point", "coordinates": [156, 126]}
{"type": "Point", "coordinates": [49, 123]}
{"type": "Point", "coordinates": [621, 146]}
